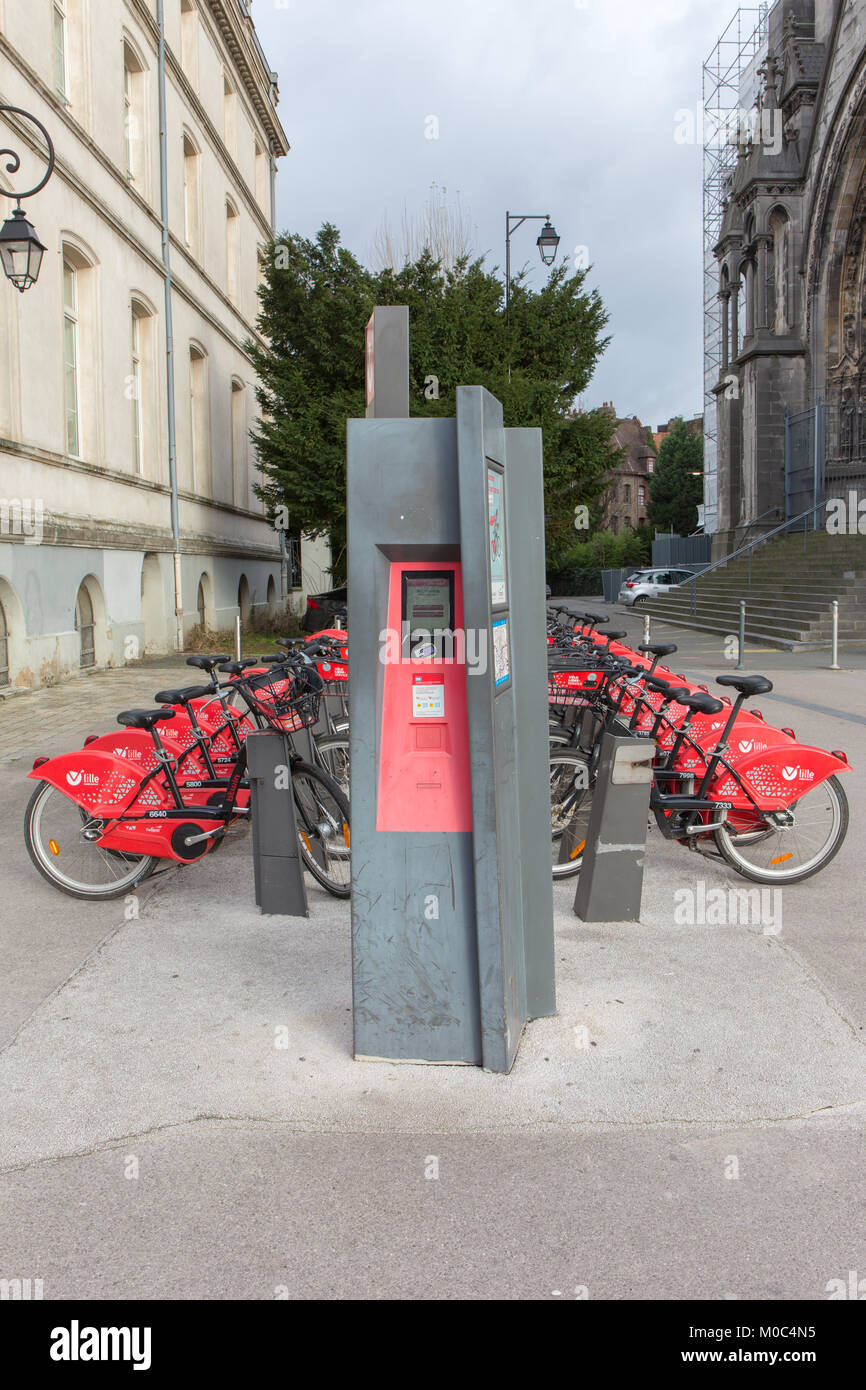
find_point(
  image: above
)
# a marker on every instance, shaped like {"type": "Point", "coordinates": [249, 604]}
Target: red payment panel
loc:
{"type": "Point", "coordinates": [424, 764]}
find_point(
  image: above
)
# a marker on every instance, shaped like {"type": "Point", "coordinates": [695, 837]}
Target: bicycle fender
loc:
{"type": "Point", "coordinates": [779, 776]}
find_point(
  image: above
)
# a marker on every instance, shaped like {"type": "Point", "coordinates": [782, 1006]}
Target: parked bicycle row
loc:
{"type": "Point", "coordinates": [172, 784]}
{"type": "Point", "coordinates": [725, 781]}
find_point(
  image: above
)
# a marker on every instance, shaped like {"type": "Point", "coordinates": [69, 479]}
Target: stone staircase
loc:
{"type": "Point", "coordinates": [789, 599]}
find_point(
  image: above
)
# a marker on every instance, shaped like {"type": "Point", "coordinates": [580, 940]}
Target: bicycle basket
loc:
{"type": "Point", "coordinates": [287, 700]}
{"type": "Point", "coordinates": [566, 688]}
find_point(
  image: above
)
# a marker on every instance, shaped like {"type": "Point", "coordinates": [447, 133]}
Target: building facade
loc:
{"type": "Point", "coordinates": [625, 502]}
{"type": "Point", "coordinates": [94, 422]}
{"type": "Point", "coordinates": [792, 277]}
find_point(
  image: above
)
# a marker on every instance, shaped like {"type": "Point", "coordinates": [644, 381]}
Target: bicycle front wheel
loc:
{"type": "Point", "coordinates": [322, 812]}
{"type": "Point", "coordinates": [571, 791]}
{"type": "Point", "coordinates": [62, 841]}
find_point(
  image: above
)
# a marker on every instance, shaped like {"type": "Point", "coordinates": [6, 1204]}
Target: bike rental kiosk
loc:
{"type": "Point", "coordinates": [452, 913]}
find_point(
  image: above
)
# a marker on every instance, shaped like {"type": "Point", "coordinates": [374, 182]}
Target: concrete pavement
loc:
{"type": "Point", "coordinates": [182, 1116]}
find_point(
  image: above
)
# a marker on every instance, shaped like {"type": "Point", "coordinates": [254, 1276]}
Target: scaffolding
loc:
{"type": "Point", "coordinates": [730, 89]}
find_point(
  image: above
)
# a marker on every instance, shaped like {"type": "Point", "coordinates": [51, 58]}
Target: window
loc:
{"type": "Point", "coordinates": [133, 113]}
{"type": "Point", "coordinates": [4, 648]}
{"type": "Point", "coordinates": [190, 194]}
{"type": "Point", "coordinates": [261, 178]}
{"type": "Point", "coordinates": [230, 105]}
{"type": "Point", "coordinates": [59, 44]}
{"type": "Point", "coordinates": [189, 40]}
{"type": "Point", "coordinates": [626, 492]}
{"type": "Point", "coordinates": [141, 384]}
{"type": "Point", "coordinates": [641, 495]}
{"type": "Point", "coordinates": [650, 465]}
{"type": "Point", "coordinates": [240, 481]}
{"type": "Point", "coordinates": [70, 351]}
{"type": "Point", "coordinates": [233, 246]}
{"type": "Point", "coordinates": [201, 606]}
{"type": "Point", "coordinates": [86, 628]}
{"type": "Point", "coordinates": [198, 418]}
{"type": "Point", "coordinates": [777, 274]}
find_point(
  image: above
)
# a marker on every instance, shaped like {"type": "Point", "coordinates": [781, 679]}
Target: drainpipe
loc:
{"type": "Point", "coordinates": [284, 565]}
{"type": "Point", "coordinates": [169, 329]}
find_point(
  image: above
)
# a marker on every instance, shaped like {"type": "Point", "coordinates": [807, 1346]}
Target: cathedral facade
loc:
{"type": "Point", "coordinates": [792, 278]}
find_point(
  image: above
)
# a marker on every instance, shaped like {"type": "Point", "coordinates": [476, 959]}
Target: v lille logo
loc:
{"type": "Point", "coordinates": [74, 778]}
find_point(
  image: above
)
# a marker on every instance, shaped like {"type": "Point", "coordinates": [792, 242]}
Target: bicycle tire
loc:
{"type": "Point", "coordinates": [141, 865]}
{"type": "Point", "coordinates": [726, 844]}
{"type": "Point", "coordinates": [301, 772]}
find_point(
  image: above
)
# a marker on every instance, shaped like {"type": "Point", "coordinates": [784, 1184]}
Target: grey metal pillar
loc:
{"type": "Point", "coordinates": [611, 875]}
{"type": "Point", "coordinates": [387, 363]}
{"type": "Point", "coordinates": [277, 866]}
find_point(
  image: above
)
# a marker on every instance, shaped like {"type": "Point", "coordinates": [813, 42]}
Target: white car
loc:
{"type": "Point", "coordinates": [644, 584]}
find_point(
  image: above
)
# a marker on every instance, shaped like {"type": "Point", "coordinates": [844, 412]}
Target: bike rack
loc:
{"type": "Point", "coordinates": [277, 867]}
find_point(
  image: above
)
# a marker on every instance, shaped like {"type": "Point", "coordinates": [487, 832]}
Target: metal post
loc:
{"type": "Point", "coordinates": [741, 666]}
{"type": "Point", "coordinates": [647, 629]}
{"type": "Point", "coordinates": [169, 327]}
{"type": "Point", "coordinates": [238, 641]}
{"type": "Point", "coordinates": [615, 843]}
{"type": "Point", "coordinates": [834, 665]}
{"type": "Point", "coordinates": [277, 868]}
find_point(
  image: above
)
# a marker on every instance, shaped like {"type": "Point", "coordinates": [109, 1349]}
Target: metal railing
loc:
{"type": "Point", "coordinates": [748, 550]}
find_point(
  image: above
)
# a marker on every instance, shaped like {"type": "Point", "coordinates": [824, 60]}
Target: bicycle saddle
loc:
{"type": "Point", "coordinates": [746, 685]}
{"type": "Point", "coordinates": [612, 634]}
{"type": "Point", "coordinates": [702, 703]}
{"type": "Point", "coordinates": [596, 617]}
{"type": "Point", "coordinates": [183, 697]}
{"type": "Point", "coordinates": [144, 718]}
{"type": "Point", "coordinates": [237, 668]}
{"type": "Point", "coordinates": [658, 648]}
{"type": "Point", "coordinates": [206, 663]}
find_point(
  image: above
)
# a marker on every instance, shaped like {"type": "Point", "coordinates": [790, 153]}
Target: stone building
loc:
{"type": "Point", "coordinates": [92, 561]}
{"type": "Point", "coordinates": [626, 500]}
{"type": "Point", "coordinates": [792, 277]}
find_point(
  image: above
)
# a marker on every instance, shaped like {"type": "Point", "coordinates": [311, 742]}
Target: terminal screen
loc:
{"type": "Point", "coordinates": [428, 601]}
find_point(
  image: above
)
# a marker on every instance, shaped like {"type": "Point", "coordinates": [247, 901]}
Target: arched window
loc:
{"type": "Point", "coordinates": [272, 598]}
{"type": "Point", "coordinates": [230, 105]}
{"type": "Point", "coordinates": [777, 273]}
{"type": "Point", "coordinates": [85, 626]}
{"type": "Point", "coordinates": [191, 193]}
{"type": "Point", "coordinates": [4, 647]}
{"type": "Point", "coordinates": [141, 385]}
{"type": "Point", "coordinates": [71, 350]}
{"type": "Point", "coordinates": [240, 479]}
{"type": "Point", "coordinates": [201, 606]}
{"type": "Point", "coordinates": [198, 421]}
{"type": "Point", "coordinates": [134, 110]}
{"type": "Point", "coordinates": [233, 248]}
{"type": "Point", "coordinates": [244, 605]}
{"type": "Point", "coordinates": [261, 179]}
{"type": "Point", "coordinates": [82, 386]}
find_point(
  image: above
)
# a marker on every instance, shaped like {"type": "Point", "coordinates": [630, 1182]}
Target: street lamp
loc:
{"type": "Point", "coordinates": [547, 243]}
{"type": "Point", "coordinates": [21, 251]}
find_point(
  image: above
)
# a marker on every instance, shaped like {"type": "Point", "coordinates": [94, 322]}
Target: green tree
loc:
{"type": "Point", "coordinates": [315, 300]}
{"type": "Point", "coordinates": [677, 487]}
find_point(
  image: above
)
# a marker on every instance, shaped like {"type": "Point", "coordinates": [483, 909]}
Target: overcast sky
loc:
{"type": "Point", "coordinates": [566, 106]}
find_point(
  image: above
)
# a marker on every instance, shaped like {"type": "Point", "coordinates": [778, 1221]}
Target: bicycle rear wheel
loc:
{"type": "Point", "coordinates": [793, 852]}
{"type": "Point", "coordinates": [322, 812]}
{"type": "Point", "coordinates": [57, 834]}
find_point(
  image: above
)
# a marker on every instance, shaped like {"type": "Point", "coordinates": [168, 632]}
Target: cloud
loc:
{"type": "Point", "coordinates": [555, 107]}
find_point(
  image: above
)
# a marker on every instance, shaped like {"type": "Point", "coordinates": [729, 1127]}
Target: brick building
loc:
{"type": "Point", "coordinates": [626, 500]}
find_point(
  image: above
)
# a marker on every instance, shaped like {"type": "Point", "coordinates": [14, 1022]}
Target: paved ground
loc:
{"type": "Point", "coordinates": [690, 1125]}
